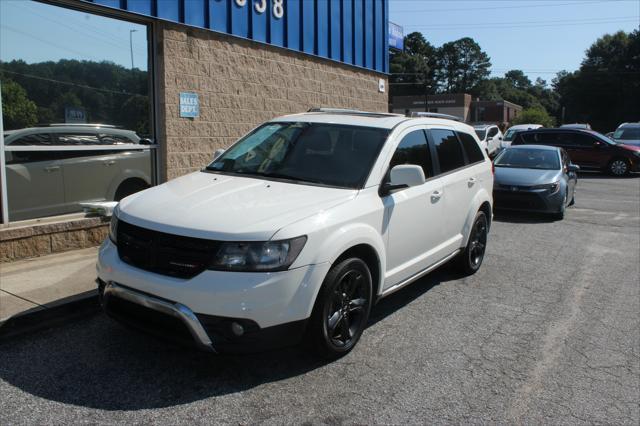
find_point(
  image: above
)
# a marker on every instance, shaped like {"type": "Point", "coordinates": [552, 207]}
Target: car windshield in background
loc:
{"type": "Point", "coordinates": [630, 133]}
{"type": "Point", "coordinates": [317, 153]}
{"type": "Point", "coordinates": [509, 135]}
{"type": "Point", "coordinates": [544, 159]}
{"type": "Point", "coordinates": [480, 133]}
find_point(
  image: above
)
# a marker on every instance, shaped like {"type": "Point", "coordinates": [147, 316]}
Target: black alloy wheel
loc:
{"type": "Point", "coordinates": [342, 309]}
{"type": "Point", "coordinates": [470, 260]}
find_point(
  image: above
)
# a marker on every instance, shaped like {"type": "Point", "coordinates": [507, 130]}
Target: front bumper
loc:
{"type": "Point", "coordinates": [508, 198]}
{"type": "Point", "coordinates": [272, 308]}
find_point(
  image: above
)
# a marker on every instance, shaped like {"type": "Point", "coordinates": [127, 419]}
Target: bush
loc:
{"type": "Point", "coordinates": [535, 115]}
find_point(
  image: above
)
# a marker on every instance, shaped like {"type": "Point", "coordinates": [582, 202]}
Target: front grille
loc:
{"type": "Point", "coordinates": [518, 200]}
{"type": "Point", "coordinates": [162, 253]}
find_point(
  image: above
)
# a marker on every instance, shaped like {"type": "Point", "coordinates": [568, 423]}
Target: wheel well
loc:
{"type": "Point", "coordinates": [128, 183]}
{"type": "Point", "coordinates": [370, 257]}
{"type": "Point", "coordinates": [486, 209]}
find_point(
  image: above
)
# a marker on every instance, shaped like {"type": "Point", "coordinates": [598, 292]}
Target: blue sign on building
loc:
{"type": "Point", "coordinates": [350, 31]}
{"type": "Point", "coordinates": [189, 105]}
{"type": "Point", "coordinates": [396, 36]}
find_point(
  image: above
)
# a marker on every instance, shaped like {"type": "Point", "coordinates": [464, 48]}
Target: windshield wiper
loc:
{"type": "Point", "coordinates": [287, 177]}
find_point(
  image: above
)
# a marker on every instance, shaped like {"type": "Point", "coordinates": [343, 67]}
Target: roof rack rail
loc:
{"type": "Point", "coordinates": [353, 112]}
{"type": "Point", "coordinates": [435, 115]}
{"type": "Point", "coordinates": [110, 126]}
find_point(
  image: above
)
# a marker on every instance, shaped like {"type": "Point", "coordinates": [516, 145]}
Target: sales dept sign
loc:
{"type": "Point", "coordinates": [189, 105]}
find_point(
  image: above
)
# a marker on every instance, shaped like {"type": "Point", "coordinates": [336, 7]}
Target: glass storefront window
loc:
{"type": "Point", "coordinates": [76, 108]}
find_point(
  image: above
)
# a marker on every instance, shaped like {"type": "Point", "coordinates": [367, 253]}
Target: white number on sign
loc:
{"type": "Point", "coordinates": [278, 8]}
{"type": "Point", "coordinates": [241, 2]}
{"type": "Point", "coordinates": [261, 6]}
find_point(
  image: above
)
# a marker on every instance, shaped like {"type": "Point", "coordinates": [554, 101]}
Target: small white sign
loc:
{"type": "Point", "coordinates": [189, 105]}
{"type": "Point", "coordinates": [381, 85]}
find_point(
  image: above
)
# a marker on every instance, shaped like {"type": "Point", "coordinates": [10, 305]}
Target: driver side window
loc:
{"type": "Point", "coordinates": [492, 132]}
{"type": "Point", "coordinates": [413, 149]}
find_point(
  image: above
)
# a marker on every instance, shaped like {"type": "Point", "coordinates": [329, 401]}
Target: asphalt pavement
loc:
{"type": "Point", "coordinates": [548, 331]}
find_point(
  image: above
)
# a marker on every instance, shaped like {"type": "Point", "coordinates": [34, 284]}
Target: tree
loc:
{"type": "Point", "coordinates": [413, 70]}
{"type": "Point", "coordinates": [462, 64]}
{"type": "Point", "coordinates": [536, 115]}
{"type": "Point", "coordinates": [18, 111]}
{"type": "Point", "coordinates": [518, 79]}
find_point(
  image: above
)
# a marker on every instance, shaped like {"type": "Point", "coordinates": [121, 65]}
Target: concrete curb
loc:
{"type": "Point", "coordinates": [58, 313]}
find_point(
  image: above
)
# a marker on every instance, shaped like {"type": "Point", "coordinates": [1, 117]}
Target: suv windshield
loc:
{"type": "Point", "coordinates": [481, 133]}
{"type": "Point", "coordinates": [627, 133]}
{"type": "Point", "coordinates": [510, 134]}
{"type": "Point", "coordinates": [317, 153]}
{"type": "Point", "coordinates": [521, 158]}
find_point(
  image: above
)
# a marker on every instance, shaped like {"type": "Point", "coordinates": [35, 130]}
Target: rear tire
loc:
{"type": "Point", "coordinates": [470, 260]}
{"type": "Point", "coordinates": [341, 310]}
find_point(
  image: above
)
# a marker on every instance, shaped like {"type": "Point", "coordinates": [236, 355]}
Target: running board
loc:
{"type": "Point", "coordinates": [418, 275]}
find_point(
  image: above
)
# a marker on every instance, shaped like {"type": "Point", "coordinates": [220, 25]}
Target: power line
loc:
{"type": "Point", "coordinates": [502, 27]}
{"type": "Point", "coordinates": [558, 21]}
{"type": "Point", "coordinates": [68, 83]}
{"type": "Point", "coordinates": [392, 10]}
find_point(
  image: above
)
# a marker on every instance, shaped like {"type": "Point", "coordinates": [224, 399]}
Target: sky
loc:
{"type": "Point", "coordinates": [540, 37]}
{"type": "Point", "coordinates": [51, 33]}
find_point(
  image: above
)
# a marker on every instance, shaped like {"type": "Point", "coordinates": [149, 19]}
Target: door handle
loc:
{"type": "Point", "coordinates": [51, 169]}
{"type": "Point", "coordinates": [472, 181]}
{"type": "Point", "coordinates": [109, 163]}
{"type": "Point", "coordinates": [435, 196]}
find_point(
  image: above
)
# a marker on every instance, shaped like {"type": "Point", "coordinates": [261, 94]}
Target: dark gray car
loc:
{"type": "Point", "coordinates": [534, 178]}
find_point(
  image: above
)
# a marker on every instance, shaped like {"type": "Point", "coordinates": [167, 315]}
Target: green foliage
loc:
{"type": "Point", "coordinates": [413, 70]}
{"type": "Point", "coordinates": [462, 64]}
{"type": "Point", "coordinates": [535, 115]}
{"type": "Point", "coordinates": [605, 91]}
{"type": "Point", "coordinates": [17, 110]}
{"type": "Point", "coordinates": [109, 93]}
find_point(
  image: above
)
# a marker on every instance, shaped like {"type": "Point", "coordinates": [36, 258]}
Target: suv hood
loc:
{"type": "Point", "coordinates": [228, 208]}
{"type": "Point", "coordinates": [525, 177]}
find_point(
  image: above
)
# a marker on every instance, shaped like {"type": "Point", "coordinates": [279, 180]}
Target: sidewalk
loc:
{"type": "Point", "coordinates": [43, 291]}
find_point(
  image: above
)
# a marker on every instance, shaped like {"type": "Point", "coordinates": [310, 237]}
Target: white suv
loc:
{"type": "Point", "coordinates": [490, 137]}
{"type": "Point", "coordinates": [298, 229]}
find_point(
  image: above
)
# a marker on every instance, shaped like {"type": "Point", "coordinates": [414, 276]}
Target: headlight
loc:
{"type": "Point", "coordinates": [263, 256]}
{"type": "Point", "coordinates": [113, 226]}
{"type": "Point", "coordinates": [551, 187]}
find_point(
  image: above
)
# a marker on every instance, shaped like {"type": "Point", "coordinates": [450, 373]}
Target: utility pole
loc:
{"type": "Point", "coordinates": [131, 45]}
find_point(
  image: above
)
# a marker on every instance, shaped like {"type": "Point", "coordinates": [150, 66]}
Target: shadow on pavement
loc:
{"type": "Point", "coordinates": [99, 364]}
{"type": "Point", "coordinates": [522, 217]}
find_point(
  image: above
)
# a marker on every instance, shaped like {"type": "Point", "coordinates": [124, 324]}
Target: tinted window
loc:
{"type": "Point", "coordinates": [481, 134]}
{"type": "Point", "coordinates": [547, 138]}
{"type": "Point", "coordinates": [22, 157]}
{"type": "Point", "coordinates": [474, 154]}
{"type": "Point", "coordinates": [577, 140]}
{"type": "Point", "coordinates": [493, 131]}
{"type": "Point", "coordinates": [627, 133]}
{"type": "Point", "coordinates": [413, 149]}
{"type": "Point", "coordinates": [449, 150]}
{"type": "Point", "coordinates": [77, 139]}
{"type": "Point", "coordinates": [328, 154]}
{"type": "Point", "coordinates": [114, 139]}
{"type": "Point", "coordinates": [522, 138]}
{"type": "Point", "coordinates": [36, 139]}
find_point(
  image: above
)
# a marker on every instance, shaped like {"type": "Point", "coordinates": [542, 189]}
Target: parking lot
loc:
{"type": "Point", "coordinates": [547, 331]}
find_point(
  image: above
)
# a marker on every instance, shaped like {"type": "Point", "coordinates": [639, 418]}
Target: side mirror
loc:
{"type": "Point", "coordinates": [573, 168]}
{"type": "Point", "coordinates": [145, 141]}
{"type": "Point", "coordinates": [403, 176]}
{"type": "Point", "coordinates": [218, 153]}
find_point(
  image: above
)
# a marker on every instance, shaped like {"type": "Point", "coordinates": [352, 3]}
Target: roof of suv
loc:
{"type": "Point", "coordinates": [356, 118]}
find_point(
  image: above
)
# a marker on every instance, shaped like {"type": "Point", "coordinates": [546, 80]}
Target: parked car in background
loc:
{"type": "Point", "coordinates": [584, 126]}
{"type": "Point", "coordinates": [627, 133]}
{"type": "Point", "coordinates": [52, 169]}
{"type": "Point", "coordinates": [490, 137]}
{"type": "Point", "coordinates": [586, 148]}
{"type": "Point", "coordinates": [511, 132]}
{"type": "Point", "coordinates": [297, 229]}
{"type": "Point", "coordinates": [534, 178]}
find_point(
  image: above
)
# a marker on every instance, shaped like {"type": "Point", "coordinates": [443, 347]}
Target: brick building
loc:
{"type": "Point", "coordinates": [240, 62]}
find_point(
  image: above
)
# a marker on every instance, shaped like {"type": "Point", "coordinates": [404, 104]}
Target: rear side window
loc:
{"type": "Point", "coordinates": [35, 139]}
{"type": "Point", "coordinates": [493, 132]}
{"type": "Point", "coordinates": [413, 149]}
{"type": "Point", "coordinates": [449, 150]}
{"type": "Point", "coordinates": [77, 139]}
{"type": "Point", "coordinates": [470, 146]}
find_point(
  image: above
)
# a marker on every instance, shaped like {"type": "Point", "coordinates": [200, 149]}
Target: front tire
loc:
{"type": "Point", "coordinates": [619, 167]}
{"type": "Point", "coordinates": [470, 260]}
{"type": "Point", "coordinates": [342, 308]}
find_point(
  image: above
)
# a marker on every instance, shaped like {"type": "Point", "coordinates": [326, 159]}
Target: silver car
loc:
{"type": "Point", "coordinates": [52, 169]}
{"type": "Point", "coordinates": [628, 134]}
{"type": "Point", "coordinates": [534, 178]}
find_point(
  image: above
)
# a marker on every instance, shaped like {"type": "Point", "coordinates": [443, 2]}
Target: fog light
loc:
{"type": "Point", "coordinates": [237, 329]}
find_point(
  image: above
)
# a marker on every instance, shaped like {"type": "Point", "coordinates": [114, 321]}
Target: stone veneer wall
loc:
{"type": "Point", "coordinates": [241, 84]}
{"type": "Point", "coordinates": [46, 238]}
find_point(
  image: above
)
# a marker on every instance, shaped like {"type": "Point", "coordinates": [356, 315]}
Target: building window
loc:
{"type": "Point", "coordinates": [78, 84]}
